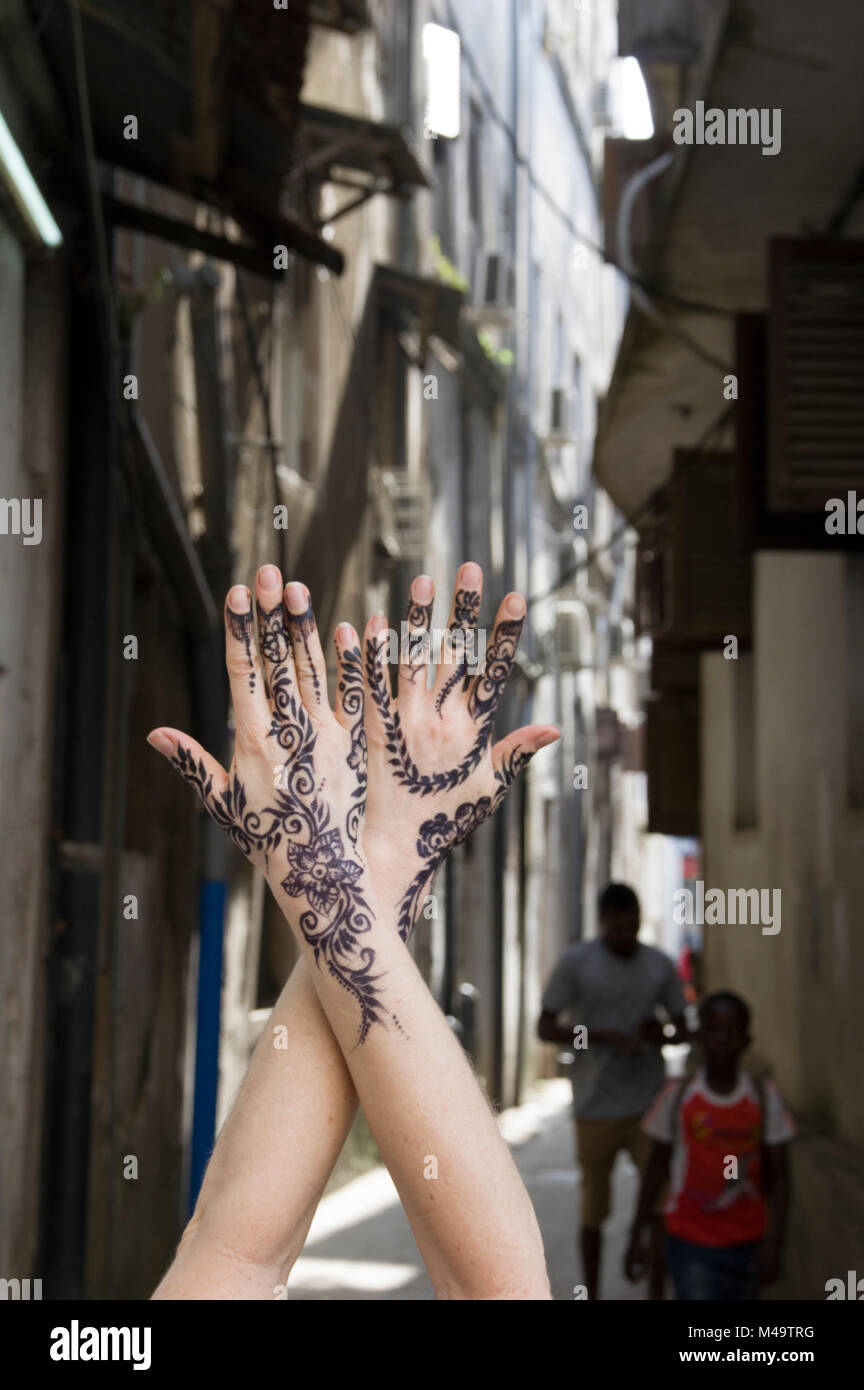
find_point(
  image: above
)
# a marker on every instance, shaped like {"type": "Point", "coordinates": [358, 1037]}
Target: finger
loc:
{"type": "Point", "coordinates": [248, 695]}
{"type": "Point", "coordinates": [461, 644]}
{"type": "Point", "coordinates": [349, 712]}
{"type": "Point", "coordinates": [510, 754]}
{"type": "Point", "coordinates": [416, 643]}
{"type": "Point", "coordinates": [379, 699]}
{"type": "Point", "coordinates": [487, 687]}
{"type": "Point", "coordinates": [309, 666]}
{"type": "Point", "coordinates": [274, 642]}
{"type": "Point", "coordinates": [194, 764]}
{"type": "Point", "coordinates": [349, 684]}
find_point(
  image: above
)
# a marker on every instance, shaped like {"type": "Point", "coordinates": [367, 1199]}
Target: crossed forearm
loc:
{"type": "Point", "coordinates": [355, 1018]}
{"type": "Point", "coordinates": [292, 1115]}
{"type": "Point", "coordinates": [428, 1114]}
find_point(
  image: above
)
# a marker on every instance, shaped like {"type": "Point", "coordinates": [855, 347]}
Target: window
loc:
{"type": "Point", "coordinates": [441, 56]}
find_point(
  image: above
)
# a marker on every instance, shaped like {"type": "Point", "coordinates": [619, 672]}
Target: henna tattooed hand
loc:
{"type": "Point", "coordinates": [434, 774]}
{"type": "Point", "coordinates": [293, 800]}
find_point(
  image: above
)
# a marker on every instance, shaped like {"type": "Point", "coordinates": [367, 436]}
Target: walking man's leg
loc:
{"type": "Point", "coordinates": [598, 1142]}
{"type": "Point", "coordinates": [639, 1146]}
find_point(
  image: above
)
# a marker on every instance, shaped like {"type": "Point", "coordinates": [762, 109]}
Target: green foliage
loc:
{"type": "Point", "coordinates": [444, 268]}
{"type": "Point", "coordinates": [502, 357]}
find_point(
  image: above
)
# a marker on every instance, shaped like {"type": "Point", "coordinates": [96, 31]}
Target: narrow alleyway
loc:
{"type": "Point", "coordinates": [361, 1247]}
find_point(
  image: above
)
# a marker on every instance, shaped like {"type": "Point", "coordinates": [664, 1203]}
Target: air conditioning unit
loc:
{"type": "Point", "coordinates": [815, 363]}
{"type": "Point", "coordinates": [494, 288]}
{"type": "Point", "coordinates": [402, 503]}
{"type": "Point", "coordinates": [602, 103]}
{"type": "Point", "coordinates": [568, 635]}
{"type": "Point", "coordinates": [561, 417]}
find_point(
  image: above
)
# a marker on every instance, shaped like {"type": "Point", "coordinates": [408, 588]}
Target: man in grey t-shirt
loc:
{"type": "Point", "coordinates": [613, 987]}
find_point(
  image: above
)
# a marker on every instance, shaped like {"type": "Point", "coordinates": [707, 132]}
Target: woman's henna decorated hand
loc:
{"type": "Point", "coordinates": [293, 800]}
{"type": "Point", "coordinates": [434, 772]}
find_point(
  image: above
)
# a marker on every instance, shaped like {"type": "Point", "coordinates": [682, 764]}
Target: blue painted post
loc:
{"type": "Point", "coordinates": [211, 916]}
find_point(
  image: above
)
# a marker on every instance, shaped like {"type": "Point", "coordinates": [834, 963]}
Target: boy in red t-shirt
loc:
{"type": "Point", "coordinates": [720, 1139]}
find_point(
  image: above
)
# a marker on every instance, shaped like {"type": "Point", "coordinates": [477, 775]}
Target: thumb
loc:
{"type": "Point", "coordinates": [510, 754]}
{"type": "Point", "coordinates": [193, 762]}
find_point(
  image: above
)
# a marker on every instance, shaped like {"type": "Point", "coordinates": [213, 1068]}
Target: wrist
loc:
{"type": "Point", "coordinates": [402, 878]}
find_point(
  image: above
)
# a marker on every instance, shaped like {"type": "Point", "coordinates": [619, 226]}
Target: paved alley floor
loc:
{"type": "Point", "coordinates": [361, 1247]}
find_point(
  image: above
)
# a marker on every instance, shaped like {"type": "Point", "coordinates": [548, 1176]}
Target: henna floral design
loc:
{"type": "Point", "coordinates": [317, 868]}
{"type": "Point", "coordinates": [273, 635]}
{"type": "Point", "coordinates": [299, 821]}
{"type": "Point", "coordinates": [466, 606]}
{"type": "Point", "coordinates": [439, 835]}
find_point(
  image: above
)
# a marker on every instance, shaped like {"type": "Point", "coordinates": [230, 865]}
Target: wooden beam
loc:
{"type": "Point", "coordinates": [257, 259]}
{"type": "Point", "coordinates": [208, 85]}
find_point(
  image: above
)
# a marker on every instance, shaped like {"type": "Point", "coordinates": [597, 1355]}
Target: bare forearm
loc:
{"type": "Point", "coordinates": [272, 1159]}
{"type": "Point", "coordinates": [434, 1128]}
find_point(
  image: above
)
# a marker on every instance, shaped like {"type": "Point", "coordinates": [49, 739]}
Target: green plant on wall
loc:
{"type": "Point", "coordinates": [502, 357]}
{"type": "Point", "coordinates": [444, 267]}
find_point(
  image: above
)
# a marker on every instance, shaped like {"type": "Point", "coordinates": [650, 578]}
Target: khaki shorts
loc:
{"type": "Point", "coordinates": [598, 1143]}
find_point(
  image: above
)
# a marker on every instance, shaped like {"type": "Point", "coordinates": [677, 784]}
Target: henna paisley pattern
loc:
{"type": "Point", "coordinates": [489, 686]}
{"type": "Point", "coordinates": [466, 606]}
{"type": "Point", "coordinates": [418, 617]}
{"type": "Point", "coordinates": [351, 690]}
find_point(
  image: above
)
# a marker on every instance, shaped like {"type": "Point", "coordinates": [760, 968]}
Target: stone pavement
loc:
{"type": "Point", "coordinates": [361, 1247]}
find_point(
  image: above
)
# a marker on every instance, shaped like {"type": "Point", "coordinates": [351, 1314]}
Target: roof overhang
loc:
{"type": "Point", "coordinates": [723, 203]}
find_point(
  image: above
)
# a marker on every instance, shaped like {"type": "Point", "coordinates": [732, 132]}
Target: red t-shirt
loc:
{"type": "Point", "coordinates": [715, 1177]}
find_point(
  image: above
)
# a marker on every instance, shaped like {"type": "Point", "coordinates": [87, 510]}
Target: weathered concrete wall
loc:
{"type": "Point", "coordinates": [805, 982]}
{"type": "Point", "coordinates": [31, 449]}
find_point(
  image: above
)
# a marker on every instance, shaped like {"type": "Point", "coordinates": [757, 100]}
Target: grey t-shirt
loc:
{"type": "Point", "coordinates": [618, 993]}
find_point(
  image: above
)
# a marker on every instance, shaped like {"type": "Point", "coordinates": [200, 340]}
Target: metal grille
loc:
{"type": "Point", "coordinates": [817, 372]}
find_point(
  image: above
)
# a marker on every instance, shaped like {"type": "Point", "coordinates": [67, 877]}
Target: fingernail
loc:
{"type": "Point", "coordinates": [470, 575]}
{"type": "Point", "coordinates": [161, 743]}
{"type": "Point", "coordinates": [345, 634]}
{"type": "Point", "coordinates": [269, 577]}
{"type": "Point", "coordinates": [516, 606]}
{"type": "Point", "coordinates": [377, 623]}
{"type": "Point", "coordinates": [238, 599]}
{"type": "Point", "coordinates": [296, 598]}
{"type": "Point", "coordinates": [422, 589]}
{"type": "Point", "coordinates": [547, 738]}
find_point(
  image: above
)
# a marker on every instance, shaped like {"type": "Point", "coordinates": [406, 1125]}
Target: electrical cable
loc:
{"type": "Point", "coordinates": [654, 291]}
